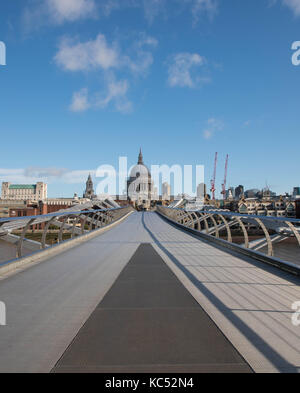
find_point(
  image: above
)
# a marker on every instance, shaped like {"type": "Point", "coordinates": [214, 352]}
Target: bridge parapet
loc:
{"type": "Point", "coordinates": [274, 240]}
{"type": "Point", "coordinates": [74, 222]}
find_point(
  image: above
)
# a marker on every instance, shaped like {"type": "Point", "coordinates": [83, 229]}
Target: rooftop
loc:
{"type": "Point", "coordinates": [22, 187]}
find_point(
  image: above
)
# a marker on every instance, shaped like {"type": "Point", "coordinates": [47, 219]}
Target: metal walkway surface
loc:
{"type": "Point", "coordinates": [51, 304]}
{"type": "Point", "coordinates": [148, 322]}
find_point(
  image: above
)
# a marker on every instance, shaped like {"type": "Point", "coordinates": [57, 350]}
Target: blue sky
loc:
{"type": "Point", "coordinates": [88, 81]}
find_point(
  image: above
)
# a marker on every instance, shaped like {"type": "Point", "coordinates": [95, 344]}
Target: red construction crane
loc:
{"type": "Point", "coordinates": [225, 178]}
{"type": "Point", "coordinates": [213, 181]}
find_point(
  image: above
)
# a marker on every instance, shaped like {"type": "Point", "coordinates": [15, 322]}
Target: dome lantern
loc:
{"type": "Point", "coordinates": [141, 160]}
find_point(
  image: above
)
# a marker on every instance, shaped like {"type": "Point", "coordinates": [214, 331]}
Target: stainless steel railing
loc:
{"type": "Point", "coordinates": [75, 222]}
{"type": "Point", "coordinates": [219, 224]}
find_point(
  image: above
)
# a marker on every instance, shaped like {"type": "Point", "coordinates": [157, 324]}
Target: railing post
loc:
{"type": "Point", "coordinates": [83, 223]}
{"type": "Point", "coordinates": [215, 225]}
{"type": "Point", "coordinates": [267, 235]}
{"type": "Point", "coordinates": [188, 215]}
{"type": "Point", "coordinates": [296, 233]}
{"type": "Point", "coordinates": [76, 221]}
{"type": "Point", "coordinates": [246, 237]}
{"type": "Point", "coordinates": [4, 233]}
{"type": "Point", "coordinates": [196, 221]}
{"type": "Point", "coordinates": [100, 220]}
{"type": "Point", "coordinates": [204, 216]}
{"type": "Point", "coordinates": [92, 222]}
{"type": "Point", "coordinates": [44, 236]}
{"type": "Point", "coordinates": [21, 240]}
{"type": "Point", "coordinates": [229, 236]}
{"type": "Point", "coordinates": [60, 235]}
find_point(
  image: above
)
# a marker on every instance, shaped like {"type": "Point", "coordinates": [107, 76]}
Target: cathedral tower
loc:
{"type": "Point", "coordinates": [89, 190]}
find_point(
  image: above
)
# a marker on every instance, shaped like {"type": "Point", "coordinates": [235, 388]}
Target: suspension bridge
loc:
{"type": "Point", "coordinates": [164, 291]}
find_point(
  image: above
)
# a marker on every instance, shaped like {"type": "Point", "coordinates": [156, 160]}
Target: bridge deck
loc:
{"type": "Point", "coordinates": [49, 303]}
{"type": "Point", "coordinates": [148, 322]}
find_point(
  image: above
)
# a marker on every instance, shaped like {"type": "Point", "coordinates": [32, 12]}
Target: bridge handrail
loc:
{"type": "Point", "coordinates": [58, 214]}
{"type": "Point", "coordinates": [88, 220]}
{"type": "Point", "coordinates": [210, 223]}
{"type": "Point", "coordinates": [233, 214]}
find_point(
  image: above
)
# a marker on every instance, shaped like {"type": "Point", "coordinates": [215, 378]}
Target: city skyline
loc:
{"type": "Point", "coordinates": [20, 177]}
{"type": "Point", "coordinates": [77, 79]}
{"type": "Point", "coordinates": [165, 188]}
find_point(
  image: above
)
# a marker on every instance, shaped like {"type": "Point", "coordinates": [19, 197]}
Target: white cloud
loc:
{"type": "Point", "coordinates": [76, 177]}
{"type": "Point", "coordinates": [209, 7]}
{"type": "Point", "coordinates": [181, 67]}
{"type": "Point", "coordinates": [147, 40]}
{"type": "Point", "coordinates": [213, 125]}
{"type": "Point", "coordinates": [114, 92]}
{"type": "Point", "coordinates": [80, 102]}
{"type": "Point", "coordinates": [294, 5]}
{"type": "Point", "coordinates": [17, 175]}
{"type": "Point", "coordinates": [109, 6]}
{"type": "Point", "coordinates": [84, 56]}
{"type": "Point", "coordinates": [143, 58]}
{"type": "Point", "coordinates": [41, 12]}
{"type": "Point", "coordinates": [70, 10]}
{"type": "Point", "coordinates": [38, 172]}
{"type": "Point", "coordinates": [98, 55]}
{"type": "Point", "coordinates": [152, 8]}
{"type": "Point", "coordinates": [48, 175]}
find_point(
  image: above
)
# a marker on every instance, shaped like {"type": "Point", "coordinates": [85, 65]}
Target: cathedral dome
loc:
{"type": "Point", "coordinates": [139, 184]}
{"type": "Point", "coordinates": [140, 170]}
